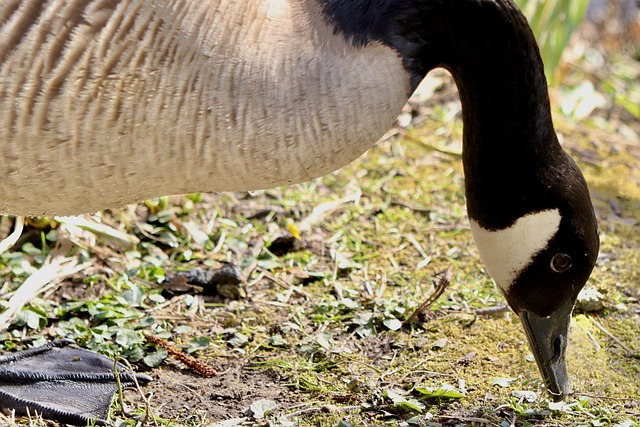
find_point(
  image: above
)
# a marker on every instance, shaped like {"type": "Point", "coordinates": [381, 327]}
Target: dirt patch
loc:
{"type": "Point", "coordinates": [181, 395]}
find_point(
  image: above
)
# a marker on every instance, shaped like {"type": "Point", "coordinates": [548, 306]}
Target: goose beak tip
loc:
{"type": "Point", "coordinates": [547, 338]}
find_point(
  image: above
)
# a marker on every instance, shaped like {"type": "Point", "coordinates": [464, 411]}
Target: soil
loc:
{"type": "Point", "coordinates": [182, 395]}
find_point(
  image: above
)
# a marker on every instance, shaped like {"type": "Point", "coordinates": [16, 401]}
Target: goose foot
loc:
{"type": "Point", "coordinates": [61, 382]}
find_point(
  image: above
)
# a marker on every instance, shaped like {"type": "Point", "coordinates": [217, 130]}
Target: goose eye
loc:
{"type": "Point", "coordinates": [560, 263]}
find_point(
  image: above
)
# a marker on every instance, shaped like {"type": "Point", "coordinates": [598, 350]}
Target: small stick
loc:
{"type": "Point", "coordinates": [630, 353]}
{"type": "Point", "coordinates": [429, 146]}
{"type": "Point", "coordinates": [596, 396]}
{"type": "Point", "coordinates": [467, 419]}
{"type": "Point", "coordinates": [498, 309]}
{"type": "Point", "coordinates": [146, 399]}
{"type": "Point", "coordinates": [444, 282]}
{"type": "Point", "coordinates": [324, 409]}
{"type": "Point", "coordinates": [281, 282]}
{"type": "Point", "coordinates": [195, 364]}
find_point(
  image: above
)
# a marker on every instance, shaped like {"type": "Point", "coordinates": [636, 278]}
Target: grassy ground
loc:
{"type": "Point", "coordinates": [313, 336]}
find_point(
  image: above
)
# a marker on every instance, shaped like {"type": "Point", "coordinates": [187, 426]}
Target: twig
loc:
{"type": "Point", "coordinates": [466, 419]}
{"type": "Point", "coordinates": [323, 409]}
{"type": "Point", "coordinates": [596, 396]}
{"type": "Point", "coordinates": [499, 309]}
{"type": "Point", "coordinates": [424, 374]}
{"type": "Point", "coordinates": [196, 393]}
{"type": "Point", "coordinates": [409, 206]}
{"type": "Point", "coordinates": [429, 146]}
{"type": "Point", "coordinates": [248, 272]}
{"type": "Point", "coordinates": [195, 364]}
{"type": "Point", "coordinates": [437, 292]}
{"type": "Point", "coordinates": [414, 370]}
{"type": "Point", "coordinates": [281, 282]}
{"type": "Point", "coordinates": [167, 303]}
{"type": "Point", "coordinates": [147, 400]}
{"type": "Point", "coordinates": [630, 353]}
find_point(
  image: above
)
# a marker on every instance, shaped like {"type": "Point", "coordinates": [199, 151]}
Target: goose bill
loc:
{"type": "Point", "coordinates": [548, 340]}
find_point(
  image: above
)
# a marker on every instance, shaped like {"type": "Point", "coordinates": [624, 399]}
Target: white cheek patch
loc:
{"type": "Point", "coordinates": [507, 252]}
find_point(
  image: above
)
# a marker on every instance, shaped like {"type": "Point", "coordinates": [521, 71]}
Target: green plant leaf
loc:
{"type": "Point", "coordinates": [392, 324]}
{"type": "Point", "coordinates": [129, 337]}
{"type": "Point", "coordinates": [261, 408]}
{"type": "Point", "coordinates": [154, 359]}
{"type": "Point", "coordinates": [202, 342]}
{"type": "Point", "coordinates": [503, 382]}
{"type": "Point", "coordinates": [402, 402]}
{"type": "Point", "coordinates": [444, 392]}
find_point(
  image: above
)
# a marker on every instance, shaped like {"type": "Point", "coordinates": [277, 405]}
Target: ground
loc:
{"type": "Point", "coordinates": [313, 334]}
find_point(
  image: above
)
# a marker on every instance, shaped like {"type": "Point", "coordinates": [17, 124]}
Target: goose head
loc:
{"type": "Point", "coordinates": [541, 260]}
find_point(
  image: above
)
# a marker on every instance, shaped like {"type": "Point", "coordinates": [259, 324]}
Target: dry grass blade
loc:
{"type": "Point", "coordinates": [320, 211]}
{"type": "Point", "coordinates": [56, 268]}
{"type": "Point", "coordinates": [423, 143]}
{"type": "Point", "coordinates": [145, 399]}
{"type": "Point", "coordinates": [12, 238]}
{"type": "Point", "coordinates": [281, 283]}
{"type": "Point", "coordinates": [115, 237]}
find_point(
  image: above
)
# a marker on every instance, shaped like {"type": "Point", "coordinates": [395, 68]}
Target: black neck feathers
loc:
{"type": "Point", "coordinates": [511, 153]}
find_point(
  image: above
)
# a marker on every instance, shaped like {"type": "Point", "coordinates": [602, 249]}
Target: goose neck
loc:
{"type": "Point", "coordinates": [511, 154]}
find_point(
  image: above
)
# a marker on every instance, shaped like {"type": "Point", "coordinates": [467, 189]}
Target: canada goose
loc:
{"type": "Point", "coordinates": [104, 103]}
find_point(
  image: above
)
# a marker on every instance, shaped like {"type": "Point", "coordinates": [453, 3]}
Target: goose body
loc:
{"type": "Point", "coordinates": [116, 102]}
{"type": "Point", "coordinates": [104, 103]}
